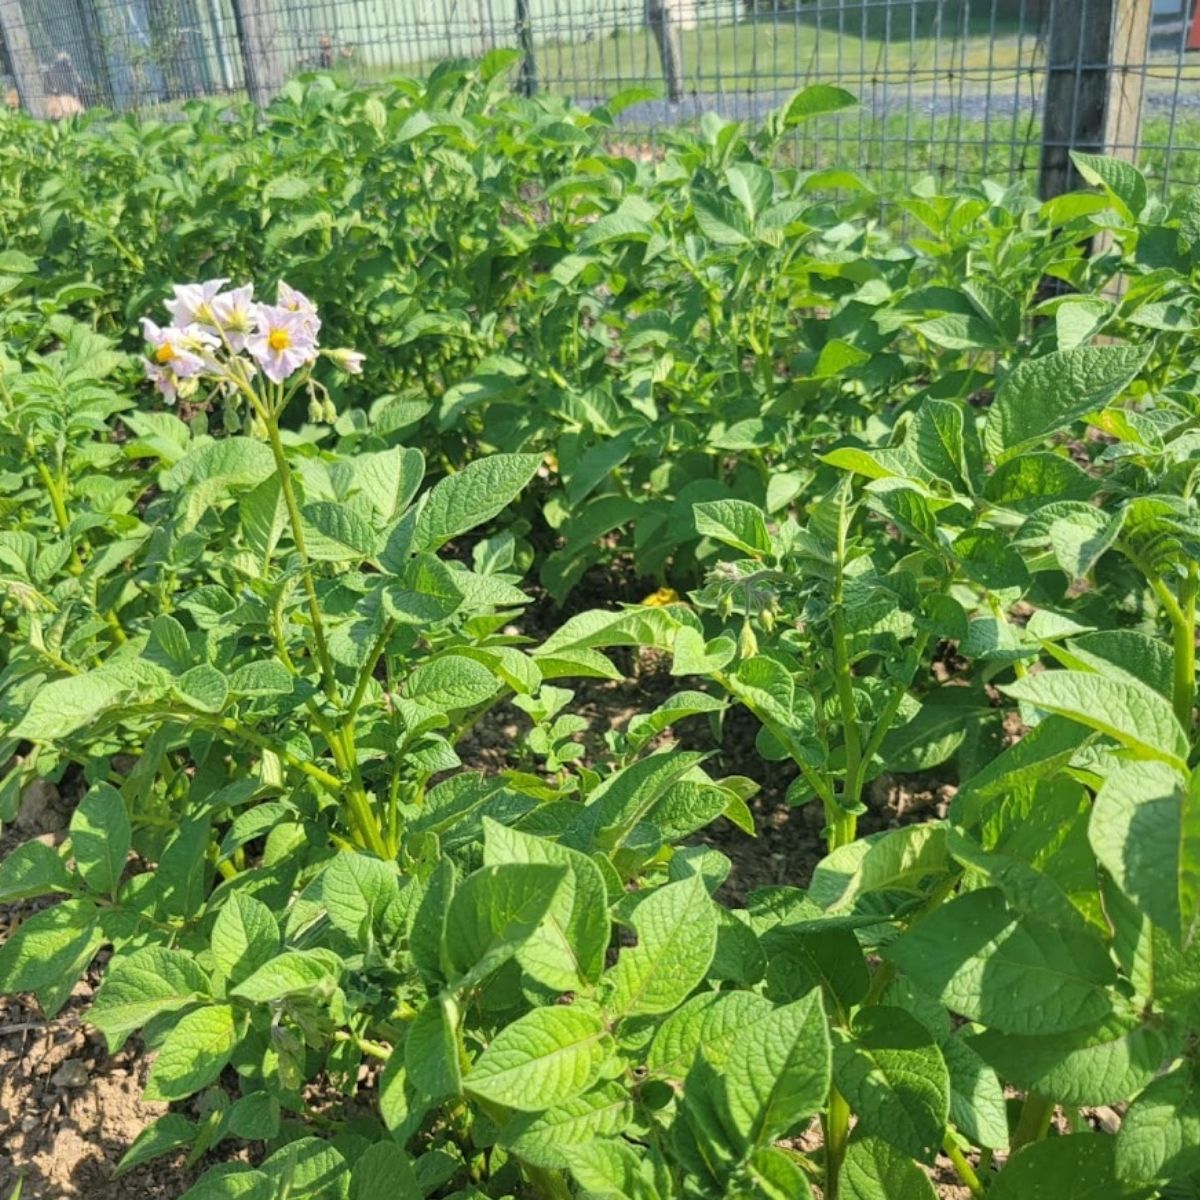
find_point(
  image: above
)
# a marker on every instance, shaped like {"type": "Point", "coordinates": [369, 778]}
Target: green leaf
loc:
{"type": "Point", "coordinates": [459, 503]}
{"type": "Point", "coordinates": [1145, 831]}
{"type": "Point", "coordinates": [772, 1174]}
{"type": "Point", "coordinates": [255, 1117]}
{"type": "Point", "coordinates": [194, 1053]}
{"type": "Point", "coordinates": [1077, 1167]}
{"type": "Point", "coordinates": [100, 837]}
{"type": "Point", "coordinates": [1123, 182]}
{"type": "Point", "coordinates": [1040, 396]}
{"type": "Point", "coordinates": [33, 869]}
{"type": "Point", "coordinates": [266, 678]}
{"type": "Point", "coordinates": [64, 706]}
{"type": "Point", "coordinates": [720, 221]}
{"type": "Point", "coordinates": [335, 533]}
{"type": "Point", "coordinates": [815, 101]}
{"type": "Point", "coordinates": [677, 937]}
{"type": "Point", "coordinates": [204, 688]}
{"type": "Point", "coordinates": [231, 1181]}
{"type": "Point", "coordinates": [735, 523]}
{"type": "Point", "coordinates": [142, 985]}
{"type": "Point", "coordinates": [245, 937]}
{"type": "Point", "coordinates": [315, 1170]}
{"type": "Point", "coordinates": [543, 1059]}
{"type": "Point", "coordinates": [1004, 969]}
{"type": "Point", "coordinates": [356, 889]}
{"type": "Point", "coordinates": [625, 798]}
{"type": "Point", "coordinates": [567, 951]}
{"type": "Point", "coordinates": [494, 913]}
{"type": "Point", "coordinates": [779, 1074]}
{"type": "Point", "coordinates": [547, 1139]}
{"type": "Point", "coordinates": [431, 1049]}
{"type": "Point", "coordinates": [713, 1022]}
{"type": "Point", "coordinates": [1104, 1065]}
{"type": "Point", "coordinates": [169, 1132]}
{"type": "Point", "coordinates": [384, 1172]}
{"type": "Point", "coordinates": [892, 1073]}
{"type": "Point", "coordinates": [893, 860]}
{"type": "Point", "coordinates": [294, 972]}
{"type": "Point", "coordinates": [1159, 1138]}
{"type": "Point", "coordinates": [875, 1170]}
{"type": "Point", "coordinates": [1125, 709]}
{"type": "Point", "coordinates": [48, 952]}
{"type": "Point", "coordinates": [977, 1105]}
{"type": "Point", "coordinates": [451, 681]}
{"type": "Point", "coordinates": [426, 592]}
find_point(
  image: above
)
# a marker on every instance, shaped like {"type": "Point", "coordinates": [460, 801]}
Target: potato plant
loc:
{"type": "Point", "coordinates": [916, 494]}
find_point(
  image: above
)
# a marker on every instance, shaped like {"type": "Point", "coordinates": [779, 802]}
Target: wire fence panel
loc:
{"type": "Point", "coordinates": [957, 88]}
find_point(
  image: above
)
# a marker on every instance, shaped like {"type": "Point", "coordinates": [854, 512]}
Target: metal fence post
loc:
{"type": "Point", "coordinates": [660, 16]}
{"type": "Point", "coordinates": [257, 37]}
{"type": "Point", "coordinates": [1077, 63]}
{"type": "Point", "coordinates": [527, 75]}
{"type": "Point", "coordinates": [26, 72]}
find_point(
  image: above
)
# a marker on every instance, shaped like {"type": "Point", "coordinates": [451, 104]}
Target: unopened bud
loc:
{"type": "Point", "coordinates": [347, 360]}
{"type": "Point", "coordinates": [747, 642]}
{"type": "Point", "coordinates": [329, 411]}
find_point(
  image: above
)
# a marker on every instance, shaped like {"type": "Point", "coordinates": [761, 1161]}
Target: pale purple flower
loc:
{"type": "Point", "coordinates": [163, 379]}
{"type": "Point", "coordinates": [233, 315]}
{"type": "Point", "coordinates": [297, 302]}
{"type": "Point", "coordinates": [283, 341]}
{"type": "Point", "coordinates": [192, 304]}
{"type": "Point", "coordinates": [350, 361]}
{"type": "Point", "coordinates": [185, 351]}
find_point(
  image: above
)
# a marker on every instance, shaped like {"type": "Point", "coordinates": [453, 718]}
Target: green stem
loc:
{"type": "Point", "coordinates": [837, 1133]}
{"type": "Point", "coordinates": [1034, 1121]}
{"type": "Point", "coordinates": [368, 671]}
{"type": "Point", "coordinates": [1184, 629]}
{"type": "Point", "coordinates": [328, 680]}
{"type": "Point", "coordinates": [965, 1171]}
{"type": "Point", "coordinates": [58, 505]}
{"type": "Point", "coordinates": [843, 824]}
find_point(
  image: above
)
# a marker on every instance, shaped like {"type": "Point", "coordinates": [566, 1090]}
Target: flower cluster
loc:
{"type": "Point", "coordinates": [225, 337]}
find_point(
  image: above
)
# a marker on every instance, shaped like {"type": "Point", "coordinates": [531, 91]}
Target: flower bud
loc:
{"type": "Point", "coordinates": [747, 642]}
{"type": "Point", "coordinates": [329, 411]}
{"type": "Point", "coordinates": [347, 360]}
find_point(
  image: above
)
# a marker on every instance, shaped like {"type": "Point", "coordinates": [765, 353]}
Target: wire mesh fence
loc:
{"type": "Point", "coordinates": [960, 88]}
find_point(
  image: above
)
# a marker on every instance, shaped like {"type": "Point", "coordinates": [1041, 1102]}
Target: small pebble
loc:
{"type": "Point", "coordinates": [72, 1074]}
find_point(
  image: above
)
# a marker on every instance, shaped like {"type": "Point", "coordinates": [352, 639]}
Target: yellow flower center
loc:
{"type": "Point", "coordinates": [164, 353]}
{"type": "Point", "coordinates": [279, 339]}
{"type": "Point", "coordinates": [661, 598]}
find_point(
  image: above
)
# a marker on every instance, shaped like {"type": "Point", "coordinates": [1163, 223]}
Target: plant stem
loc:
{"type": "Point", "coordinates": [1034, 1121]}
{"type": "Point", "coordinates": [328, 680]}
{"type": "Point", "coordinates": [965, 1171]}
{"type": "Point", "coordinates": [1184, 629]}
{"type": "Point", "coordinates": [843, 822]}
{"type": "Point", "coordinates": [59, 507]}
{"type": "Point", "coordinates": [837, 1132]}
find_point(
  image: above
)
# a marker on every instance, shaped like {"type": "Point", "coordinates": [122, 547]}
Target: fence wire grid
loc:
{"type": "Point", "coordinates": [960, 88]}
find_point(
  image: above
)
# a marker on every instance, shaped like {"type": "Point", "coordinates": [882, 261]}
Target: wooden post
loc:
{"type": "Point", "coordinates": [26, 72]}
{"type": "Point", "coordinates": [261, 52]}
{"type": "Point", "coordinates": [1130, 45]}
{"type": "Point", "coordinates": [527, 77]}
{"type": "Point", "coordinates": [1078, 54]}
{"type": "Point", "coordinates": [660, 16]}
